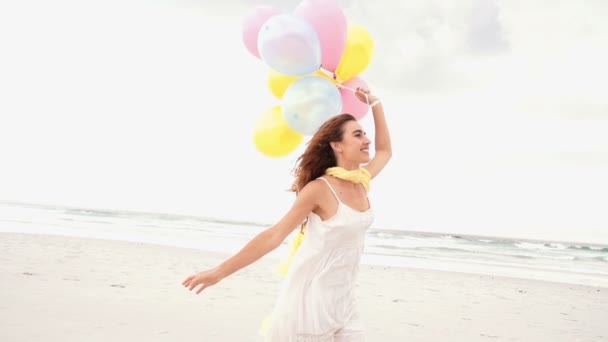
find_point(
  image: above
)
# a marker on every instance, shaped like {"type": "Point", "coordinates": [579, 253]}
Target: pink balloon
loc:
{"type": "Point", "coordinates": [329, 22]}
{"type": "Point", "coordinates": [350, 103]}
{"type": "Point", "coordinates": [253, 22]}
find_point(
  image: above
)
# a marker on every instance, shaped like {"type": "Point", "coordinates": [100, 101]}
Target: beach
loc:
{"type": "Point", "coordinates": [57, 288]}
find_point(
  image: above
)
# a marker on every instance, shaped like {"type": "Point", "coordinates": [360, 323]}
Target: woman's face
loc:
{"type": "Point", "coordinates": [355, 144]}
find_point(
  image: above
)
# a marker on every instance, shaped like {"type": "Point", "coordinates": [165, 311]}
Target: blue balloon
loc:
{"type": "Point", "coordinates": [290, 45]}
{"type": "Point", "coordinates": [309, 102]}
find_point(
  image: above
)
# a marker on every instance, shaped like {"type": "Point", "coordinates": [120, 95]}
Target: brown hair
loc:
{"type": "Point", "coordinates": [319, 156]}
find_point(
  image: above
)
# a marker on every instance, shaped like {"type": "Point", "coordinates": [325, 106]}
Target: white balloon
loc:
{"type": "Point", "coordinates": [309, 102]}
{"type": "Point", "coordinates": [289, 45]}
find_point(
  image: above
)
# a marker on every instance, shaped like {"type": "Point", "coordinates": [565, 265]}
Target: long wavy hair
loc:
{"type": "Point", "coordinates": [319, 156]}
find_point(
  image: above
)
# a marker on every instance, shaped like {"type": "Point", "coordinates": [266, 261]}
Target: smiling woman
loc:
{"type": "Point", "coordinates": [149, 106]}
{"type": "Point", "coordinates": [317, 301]}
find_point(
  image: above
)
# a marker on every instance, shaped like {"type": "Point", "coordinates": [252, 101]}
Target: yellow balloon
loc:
{"type": "Point", "coordinates": [272, 135]}
{"type": "Point", "coordinates": [357, 54]}
{"type": "Point", "coordinates": [278, 83]}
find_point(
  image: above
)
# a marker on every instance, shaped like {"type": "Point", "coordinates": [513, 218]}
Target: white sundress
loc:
{"type": "Point", "coordinates": [317, 301]}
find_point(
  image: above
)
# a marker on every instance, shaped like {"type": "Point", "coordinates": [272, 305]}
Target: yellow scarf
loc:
{"type": "Point", "coordinates": [361, 175]}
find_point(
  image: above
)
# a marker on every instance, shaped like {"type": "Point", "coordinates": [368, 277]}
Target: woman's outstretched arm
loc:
{"type": "Point", "coordinates": [261, 244]}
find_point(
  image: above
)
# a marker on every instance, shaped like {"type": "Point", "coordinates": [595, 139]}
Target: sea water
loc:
{"type": "Point", "coordinates": [574, 263]}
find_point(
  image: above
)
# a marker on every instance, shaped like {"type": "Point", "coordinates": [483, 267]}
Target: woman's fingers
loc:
{"type": "Point", "coordinates": [188, 280]}
{"type": "Point", "coordinates": [194, 283]}
{"type": "Point", "coordinates": [201, 289]}
{"type": "Point", "coordinates": [204, 279]}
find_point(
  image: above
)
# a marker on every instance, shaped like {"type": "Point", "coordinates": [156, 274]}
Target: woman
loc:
{"type": "Point", "coordinates": [316, 302]}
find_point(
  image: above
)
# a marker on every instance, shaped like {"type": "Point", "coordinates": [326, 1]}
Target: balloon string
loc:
{"type": "Point", "coordinates": [326, 72]}
{"type": "Point", "coordinates": [335, 77]}
{"type": "Point", "coordinates": [340, 85]}
{"type": "Point", "coordinates": [354, 91]}
{"type": "Point", "coordinates": [347, 88]}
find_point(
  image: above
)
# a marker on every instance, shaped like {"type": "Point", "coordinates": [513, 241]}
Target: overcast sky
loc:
{"type": "Point", "coordinates": [498, 112]}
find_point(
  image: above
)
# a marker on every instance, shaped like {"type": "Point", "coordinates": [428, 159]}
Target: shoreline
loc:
{"type": "Point", "coordinates": [76, 289]}
{"type": "Point", "coordinates": [378, 260]}
{"type": "Point", "coordinates": [568, 263]}
{"type": "Point", "coordinates": [269, 261]}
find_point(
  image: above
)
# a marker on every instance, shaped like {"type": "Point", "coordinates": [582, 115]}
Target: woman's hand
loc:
{"type": "Point", "coordinates": [365, 96]}
{"type": "Point", "coordinates": [204, 278]}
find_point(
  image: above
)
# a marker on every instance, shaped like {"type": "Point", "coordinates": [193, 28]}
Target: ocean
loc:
{"type": "Point", "coordinates": [573, 263]}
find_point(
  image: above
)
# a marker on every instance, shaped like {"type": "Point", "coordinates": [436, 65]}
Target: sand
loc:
{"type": "Point", "coordinates": [55, 288]}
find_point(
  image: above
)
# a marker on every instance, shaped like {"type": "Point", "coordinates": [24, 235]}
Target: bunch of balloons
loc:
{"type": "Point", "coordinates": [314, 59]}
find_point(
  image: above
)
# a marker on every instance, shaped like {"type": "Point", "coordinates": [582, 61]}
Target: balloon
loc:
{"type": "Point", "coordinates": [350, 102]}
{"type": "Point", "coordinates": [329, 22]}
{"type": "Point", "coordinates": [309, 102]}
{"type": "Point", "coordinates": [278, 83]}
{"type": "Point", "coordinates": [289, 45]}
{"type": "Point", "coordinates": [252, 23]}
{"type": "Point", "coordinates": [272, 135]}
{"type": "Point", "coordinates": [357, 54]}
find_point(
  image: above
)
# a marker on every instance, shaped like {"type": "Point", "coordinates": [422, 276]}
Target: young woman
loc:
{"type": "Point", "coordinates": [316, 302]}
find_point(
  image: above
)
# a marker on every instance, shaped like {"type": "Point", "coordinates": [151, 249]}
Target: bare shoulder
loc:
{"type": "Point", "coordinates": [316, 194]}
{"type": "Point", "coordinates": [314, 188]}
{"type": "Point", "coordinates": [308, 198]}
{"type": "Point", "coordinates": [306, 201]}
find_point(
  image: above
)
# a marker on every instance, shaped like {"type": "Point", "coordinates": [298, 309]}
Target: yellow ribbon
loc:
{"type": "Point", "coordinates": [294, 245]}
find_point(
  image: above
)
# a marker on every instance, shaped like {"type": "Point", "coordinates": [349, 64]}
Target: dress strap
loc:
{"type": "Point", "coordinates": [331, 188]}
